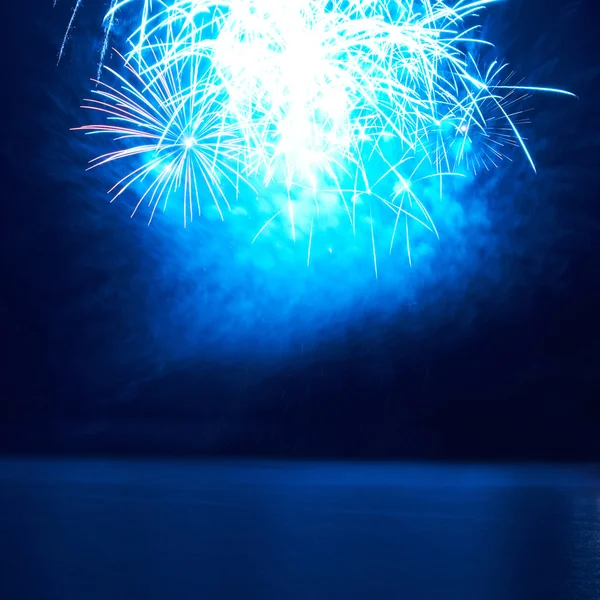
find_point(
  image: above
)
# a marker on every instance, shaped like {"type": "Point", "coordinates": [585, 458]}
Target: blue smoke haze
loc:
{"type": "Point", "coordinates": [132, 303]}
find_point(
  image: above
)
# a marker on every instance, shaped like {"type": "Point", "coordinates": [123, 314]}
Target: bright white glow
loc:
{"type": "Point", "coordinates": [314, 93]}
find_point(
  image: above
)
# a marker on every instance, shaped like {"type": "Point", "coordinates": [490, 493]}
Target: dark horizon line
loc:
{"type": "Point", "coordinates": [296, 458]}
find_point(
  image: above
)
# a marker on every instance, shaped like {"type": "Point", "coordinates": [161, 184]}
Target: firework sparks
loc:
{"type": "Point", "coordinates": [174, 124]}
{"type": "Point", "coordinates": [328, 96]}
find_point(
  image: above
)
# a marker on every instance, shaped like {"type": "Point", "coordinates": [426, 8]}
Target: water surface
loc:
{"type": "Point", "coordinates": [123, 530]}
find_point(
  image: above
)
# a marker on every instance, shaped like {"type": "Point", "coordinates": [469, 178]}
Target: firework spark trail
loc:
{"type": "Point", "coordinates": [109, 21]}
{"type": "Point", "coordinates": [182, 137]}
{"type": "Point", "coordinates": [108, 25]}
{"type": "Point", "coordinates": [483, 126]}
{"type": "Point", "coordinates": [312, 94]}
{"type": "Point", "coordinates": [69, 28]}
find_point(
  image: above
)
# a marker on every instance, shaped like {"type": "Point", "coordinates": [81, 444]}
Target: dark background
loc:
{"type": "Point", "coordinates": [523, 382]}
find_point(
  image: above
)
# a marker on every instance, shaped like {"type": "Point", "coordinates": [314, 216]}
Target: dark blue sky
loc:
{"type": "Point", "coordinates": [119, 337]}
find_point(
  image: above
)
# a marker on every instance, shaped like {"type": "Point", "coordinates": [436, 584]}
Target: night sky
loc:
{"type": "Point", "coordinates": [123, 338]}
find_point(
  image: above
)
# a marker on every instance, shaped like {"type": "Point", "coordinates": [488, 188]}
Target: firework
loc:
{"type": "Point", "coordinates": [317, 82]}
{"type": "Point", "coordinates": [343, 97]}
{"type": "Point", "coordinates": [175, 125]}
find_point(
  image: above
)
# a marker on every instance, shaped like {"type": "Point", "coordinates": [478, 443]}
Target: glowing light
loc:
{"type": "Point", "coordinates": [342, 98]}
{"type": "Point", "coordinates": [181, 138]}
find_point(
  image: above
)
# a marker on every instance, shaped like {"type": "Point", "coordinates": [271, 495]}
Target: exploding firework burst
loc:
{"type": "Point", "coordinates": [348, 98]}
{"type": "Point", "coordinates": [174, 125]}
{"type": "Point", "coordinates": [315, 80]}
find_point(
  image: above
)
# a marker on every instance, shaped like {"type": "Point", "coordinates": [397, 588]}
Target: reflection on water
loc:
{"type": "Point", "coordinates": [87, 530]}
